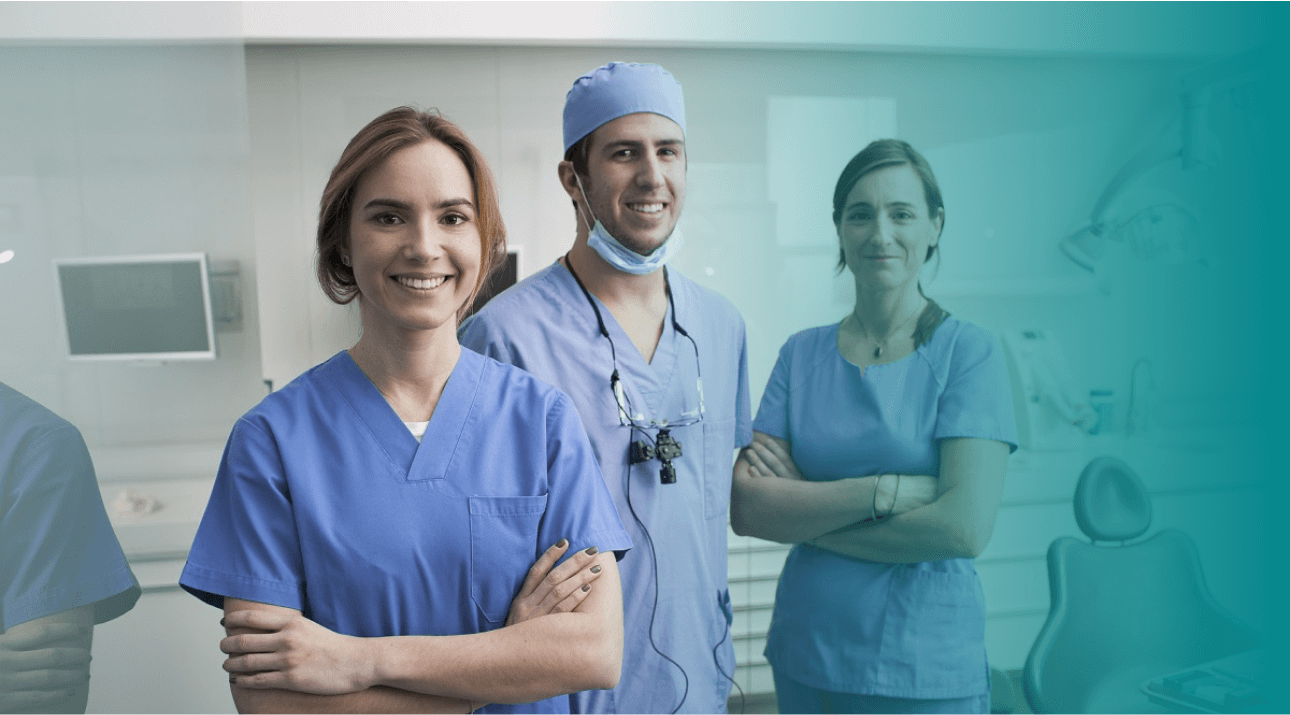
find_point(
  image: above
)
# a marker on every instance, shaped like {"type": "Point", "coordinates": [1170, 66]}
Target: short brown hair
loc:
{"type": "Point", "coordinates": [580, 155]}
{"type": "Point", "coordinates": [397, 129]}
{"type": "Point", "coordinates": [881, 154]}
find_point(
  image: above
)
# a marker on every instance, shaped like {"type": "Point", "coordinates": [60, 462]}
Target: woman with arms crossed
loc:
{"type": "Point", "coordinates": [879, 448]}
{"type": "Point", "coordinates": [373, 521]}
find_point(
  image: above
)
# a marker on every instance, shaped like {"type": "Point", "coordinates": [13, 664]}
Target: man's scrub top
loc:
{"type": "Point", "coordinates": [545, 325]}
{"type": "Point", "coordinates": [57, 547]}
{"type": "Point", "coordinates": [326, 503]}
{"type": "Point", "coordinates": [849, 625]}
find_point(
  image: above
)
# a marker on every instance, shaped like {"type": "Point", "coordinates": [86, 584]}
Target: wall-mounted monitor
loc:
{"type": "Point", "coordinates": [149, 308]}
{"type": "Point", "coordinates": [503, 276]}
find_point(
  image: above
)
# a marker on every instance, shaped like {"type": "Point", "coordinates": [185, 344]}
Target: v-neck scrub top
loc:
{"type": "Point", "coordinates": [326, 503]}
{"type": "Point", "coordinates": [545, 325]}
{"type": "Point", "coordinates": [849, 625]}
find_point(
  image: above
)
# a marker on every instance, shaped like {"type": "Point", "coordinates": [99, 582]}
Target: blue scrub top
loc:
{"type": "Point", "coordinates": [326, 503]}
{"type": "Point", "coordinates": [849, 625]}
{"type": "Point", "coordinates": [545, 325]}
{"type": "Point", "coordinates": [57, 547]}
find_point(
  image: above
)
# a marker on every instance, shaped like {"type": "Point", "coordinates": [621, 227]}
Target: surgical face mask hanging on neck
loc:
{"type": "Point", "coordinates": [622, 257]}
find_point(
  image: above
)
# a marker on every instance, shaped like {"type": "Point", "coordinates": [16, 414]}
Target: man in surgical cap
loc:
{"type": "Point", "coordinates": [657, 366]}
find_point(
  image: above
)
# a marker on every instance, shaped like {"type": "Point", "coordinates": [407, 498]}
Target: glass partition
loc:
{"type": "Point", "coordinates": [115, 151]}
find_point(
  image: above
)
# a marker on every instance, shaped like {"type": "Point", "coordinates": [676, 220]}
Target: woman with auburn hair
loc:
{"type": "Point", "coordinates": [374, 526]}
{"type": "Point", "coordinates": [879, 448]}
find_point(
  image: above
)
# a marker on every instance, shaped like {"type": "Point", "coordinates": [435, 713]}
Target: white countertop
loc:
{"type": "Point", "coordinates": [166, 532]}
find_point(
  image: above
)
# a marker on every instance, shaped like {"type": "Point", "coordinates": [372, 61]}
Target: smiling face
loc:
{"type": "Point", "coordinates": [885, 228]}
{"type": "Point", "coordinates": [414, 239]}
{"type": "Point", "coordinates": [636, 179]}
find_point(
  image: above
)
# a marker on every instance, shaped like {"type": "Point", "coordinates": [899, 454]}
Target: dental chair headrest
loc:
{"type": "Point", "coordinates": [1111, 503]}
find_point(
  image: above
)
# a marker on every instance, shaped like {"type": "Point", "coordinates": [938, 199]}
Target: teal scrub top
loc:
{"type": "Point", "coordinates": [326, 503]}
{"type": "Point", "coordinates": [848, 625]}
{"type": "Point", "coordinates": [57, 547]}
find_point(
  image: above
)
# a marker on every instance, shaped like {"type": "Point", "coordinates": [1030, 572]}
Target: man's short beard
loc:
{"type": "Point", "coordinates": [635, 246]}
{"type": "Point", "coordinates": [621, 236]}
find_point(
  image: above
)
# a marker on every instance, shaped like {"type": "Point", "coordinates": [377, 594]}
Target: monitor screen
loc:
{"type": "Point", "coordinates": [137, 307]}
{"type": "Point", "coordinates": [503, 276]}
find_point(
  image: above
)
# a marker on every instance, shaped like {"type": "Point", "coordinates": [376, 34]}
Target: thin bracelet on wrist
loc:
{"type": "Point", "coordinates": [873, 509]}
{"type": "Point", "coordinates": [895, 493]}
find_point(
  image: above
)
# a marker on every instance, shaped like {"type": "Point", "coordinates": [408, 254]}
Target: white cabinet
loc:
{"type": "Point", "coordinates": [163, 656]}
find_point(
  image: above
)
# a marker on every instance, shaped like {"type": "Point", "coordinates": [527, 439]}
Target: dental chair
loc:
{"type": "Point", "coordinates": [1122, 613]}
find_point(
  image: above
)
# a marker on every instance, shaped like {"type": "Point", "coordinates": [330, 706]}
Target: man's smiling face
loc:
{"type": "Point", "coordinates": [636, 183]}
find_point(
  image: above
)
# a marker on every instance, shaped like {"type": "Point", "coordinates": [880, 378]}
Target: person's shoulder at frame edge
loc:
{"type": "Point", "coordinates": [21, 413]}
{"type": "Point", "coordinates": [43, 447]}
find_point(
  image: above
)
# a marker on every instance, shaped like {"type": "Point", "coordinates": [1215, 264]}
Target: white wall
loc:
{"type": "Point", "coordinates": [1033, 29]}
{"type": "Point", "coordinates": [1020, 156]}
{"type": "Point", "coordinates": [124, 150]}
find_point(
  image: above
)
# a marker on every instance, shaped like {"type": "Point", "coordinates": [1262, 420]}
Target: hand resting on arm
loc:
{"type": "Point", "coordinates": [771, 500]}
{"type": "Point", "coordinates": [958, 524]}
{"type": "Point", "coordinates": [554, 589]}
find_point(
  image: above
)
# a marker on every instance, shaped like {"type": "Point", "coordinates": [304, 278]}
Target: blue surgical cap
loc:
{"type": "Point", "coordinates": [616, 90]}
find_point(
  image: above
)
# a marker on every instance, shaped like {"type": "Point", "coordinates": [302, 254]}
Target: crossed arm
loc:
{"type": "Point", "coordinates": [932, 518]}
{"type": "Point", "coordinates": [45, 663]}
{"type": "Point", "coordinates": [562, 636]}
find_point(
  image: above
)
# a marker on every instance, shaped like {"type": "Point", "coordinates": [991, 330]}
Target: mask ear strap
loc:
{"type": "Point", "coordinates": [587, 203]}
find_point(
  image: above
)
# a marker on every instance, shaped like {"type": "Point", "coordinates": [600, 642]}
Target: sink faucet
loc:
{"type": "Point", "coordinates": [1142, 383]}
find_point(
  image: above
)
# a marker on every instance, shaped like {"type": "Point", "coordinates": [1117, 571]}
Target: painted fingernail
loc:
{"type": "Point", "coordinates": [595, 569]}
{"type": "Point", "coordinates": [561, 543]}
{"type": "Point", "coordinates": [591, 551]}
{"type": "Point", "coordinates": [586, 587]}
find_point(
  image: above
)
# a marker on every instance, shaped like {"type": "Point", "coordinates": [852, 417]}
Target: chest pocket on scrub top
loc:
{"type": "Point", "coordinates": [718, 458]}
{"type": "Point", "coordinates": [503, 545]}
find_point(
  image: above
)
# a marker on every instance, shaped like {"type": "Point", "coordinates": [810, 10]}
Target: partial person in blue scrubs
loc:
{"type": "Point", "coordinates": [657, 367]}
{"type": "Point", "coordinates": [374, 525]}
{"type": "Point", "coordinates": [62, 570]}
{"type": "Point", "coordinates": [879, 448]}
